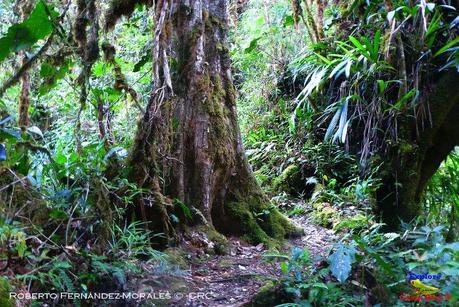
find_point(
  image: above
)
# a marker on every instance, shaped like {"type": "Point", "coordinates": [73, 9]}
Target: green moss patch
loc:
{"type": "Point", "coordinates": [271, 294]}
{"type": "Point", "coordinates": [324, 214]}
{"type": "Point", "coordinates": [220, 242]}
{"type": "Point", "coordinates": [355, 222]}
{"type": "Point", "coordinates": [176, 256]}
{"type": "Point", "coordinates": [259, 223]}
{"type": "Point", "coordinates": [290, 181]}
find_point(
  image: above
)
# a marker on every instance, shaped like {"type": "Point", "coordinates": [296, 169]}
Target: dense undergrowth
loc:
{"type": "Point", "coordinates": [61, 224]}
{"type": "Point", "coordinates": [61, 210]}
{"type": "Point", "coordinates": [296, 122]}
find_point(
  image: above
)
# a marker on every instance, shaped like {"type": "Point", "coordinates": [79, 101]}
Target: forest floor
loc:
{"type": "Point", "coordinates": [234, 278]}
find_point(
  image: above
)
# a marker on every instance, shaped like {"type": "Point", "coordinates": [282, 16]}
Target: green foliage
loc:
{"type": "Point", "coordinates": [131, 241]}
{"type": "Point", "coordinates": [5, 289]}
{"type": "Point", "coordinates": [259, 63]}
{"type": "Point", "coordinates": [12, 240]}
{"type": "Point", "coordinates": [103, 267]}
{"type": "Point", "coordinates": [355, 222]}
{"type": "Point", "coordinates": [441, 199]}
{"type": "Point", "coordinates": [306, 284]}
{"type": "Point", "coordinates": [342, 76]}
{"type": "Point", "coordinates": [373, 264]}
{"type": "Point", "coordinates": [83, 200]}
{"type": "Point", "coordinates": [54, 274]}
{"type": "Point", "coordinates": [324, 215]}
{"type": "Point", "coordinates": [24, 35]}
{"type": "Point", "coordinates": [52, 74]}
{"type": "Point", "coordinates": [391, 256]}
{"type": "Point", "coordinates": [184, 208]}
{"type": "Point", "coordinates": [127, 246]}
{"type": "Point", "coordinates": [290, 180]}
{"type": "Point", "coordinates": [341, 262]}
{"type": "Point", "coordinates": [300, 107]}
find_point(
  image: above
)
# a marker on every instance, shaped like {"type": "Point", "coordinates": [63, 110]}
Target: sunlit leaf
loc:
{"type": "Point", "coordinates": [289, 21]}
{"type": "Point", "coordinates": [24, 35]}
{"type": "Point", "coordinates": [100, 69]}
{"type": "Point", "coordinates": [341, 262]}
{"type": "Point", "coordinates": [447, 46]}
{"type": "Point", "coordinates": [340, 134]}
{"type": "Point", "coordinates": [381, 86]}
{"type": "Point", "coordinates": [454, 23]}
{"type": "Point", "coordinates": [6, 120]}
{"type": "Point", "coordinates": [332, 125]}
{"type": "Point", "coordinates": [35, 130]}
{"type": "Point", "coordinates": [430, 6]}
{"type": "Point", "coordinates": [390, 16]}
{"type": "Point", "coordinates": [253, 44]}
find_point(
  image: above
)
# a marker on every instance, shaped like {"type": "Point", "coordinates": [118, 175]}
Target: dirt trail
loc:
{"type": "Point", "coordinates": [233, 279]}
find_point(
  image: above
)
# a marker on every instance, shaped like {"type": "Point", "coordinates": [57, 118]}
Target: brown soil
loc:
{"type": "Point", "coordinates": [231, 279]}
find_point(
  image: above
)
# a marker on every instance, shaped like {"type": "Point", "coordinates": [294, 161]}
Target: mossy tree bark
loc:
{"type": "Point", "coordinates": [25, 8]}
{"type": "Point", "coordinates": [415, 159]}
{"type": "Point", "coordinates": [188, 149]}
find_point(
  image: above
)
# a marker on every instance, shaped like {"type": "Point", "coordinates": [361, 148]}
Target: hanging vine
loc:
{"type": "Point", "coordinates": [88, 51]}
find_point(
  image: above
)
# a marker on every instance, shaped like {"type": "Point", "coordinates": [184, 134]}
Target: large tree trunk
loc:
{"type": "Point", "coordinates": [413, 162]}
{"type": "Point", "coordinates": [188, 149]}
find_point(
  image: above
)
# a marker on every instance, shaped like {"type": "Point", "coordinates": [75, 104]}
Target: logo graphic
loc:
{"type": "Point", "coordinates": [422, 291]}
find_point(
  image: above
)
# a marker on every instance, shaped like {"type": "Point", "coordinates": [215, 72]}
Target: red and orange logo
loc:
{"type": "Point", "coordinates": [423, 292]}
